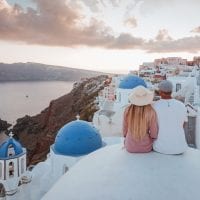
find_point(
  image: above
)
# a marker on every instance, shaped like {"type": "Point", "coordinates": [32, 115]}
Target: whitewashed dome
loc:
{"type": "Point", "coordinates": [112, 173]}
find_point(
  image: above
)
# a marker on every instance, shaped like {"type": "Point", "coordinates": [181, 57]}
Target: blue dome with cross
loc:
{"type": "Point", "coordinates": [131, 81]}
{"type": "Point", "coordinates": [10, 148]}
{"type": "Point", "coordinates": [77, 138]}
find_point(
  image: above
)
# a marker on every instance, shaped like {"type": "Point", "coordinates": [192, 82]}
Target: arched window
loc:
{"type": "Point", "coordinates": [22, 165]}
{"type": "Point", "coordinates": [11, 151]}
{"type": "Point", "coordinates": [1, 170]}
{"type": "Point", "coordinates": [65, 169]}
{"type": "Point", "coordinates": [11, 169]}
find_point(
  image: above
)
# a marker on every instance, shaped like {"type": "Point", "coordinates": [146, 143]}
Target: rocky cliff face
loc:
{"type": "Point", "coordinates": [37, 133]}
{"type": "Point", "coordinates": [4, 125]}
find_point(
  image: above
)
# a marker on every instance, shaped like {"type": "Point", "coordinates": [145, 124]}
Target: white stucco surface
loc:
{"type": "Point", "coordinates": [106, 128]}
{"type": "Point", "coordinates": [112, 173]}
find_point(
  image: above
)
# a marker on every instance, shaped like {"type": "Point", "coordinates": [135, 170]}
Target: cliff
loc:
{"type": "Point", "coordinates": [37, 133]}
{"type": "Point", "coordinates": [4, 125]}
{"type": "Point", "coordinates": [40, 72]}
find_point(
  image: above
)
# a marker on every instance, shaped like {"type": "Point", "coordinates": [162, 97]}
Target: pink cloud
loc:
{"type": "Point", "coordinates": [163, 35]}
{"type": "Point", "coordinates": [187, 44]}
{"type": "Point", "coordinates": [131, 22]}
{"type": "Point", "coordinates": [56, 23]}
{"type": "Point", "coordinates": [196, 30]}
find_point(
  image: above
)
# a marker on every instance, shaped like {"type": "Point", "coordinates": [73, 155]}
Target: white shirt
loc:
{"type": "Point", "coordinates": [171, 115]}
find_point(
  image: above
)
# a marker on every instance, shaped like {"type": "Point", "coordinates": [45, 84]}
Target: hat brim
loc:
{"type": "Point", "coordinates": [142, 101]}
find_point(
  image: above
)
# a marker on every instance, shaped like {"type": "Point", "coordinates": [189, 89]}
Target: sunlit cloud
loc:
{"type": "Point", "coordinates": [92, 4]}
{"type": "Point", "coordinates": [187, 44]}
{"type": "Point", "coordinates": [62, 23]}
{"type": "Point", "coordinates": [131, 22]}
{"type": "Point", "coordinates": [54, 23]}
{"type": "Point", "coordinates": [196, 30]}
{"type": "Point", "coordinates": [163, 35]}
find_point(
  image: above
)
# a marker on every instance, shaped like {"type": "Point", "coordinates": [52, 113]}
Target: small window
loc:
{"type": "Point", "coordinates": [11, 169]}
{"type": "Point", "coordinates": [11, 151]}
{"type": "Point", "coordinates": [22, 165]}
{"type": "Point", "coordinates": [178, 87]}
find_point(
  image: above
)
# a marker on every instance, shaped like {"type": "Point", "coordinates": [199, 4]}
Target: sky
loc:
{"type": "Point", "coordinates": [103, 35]}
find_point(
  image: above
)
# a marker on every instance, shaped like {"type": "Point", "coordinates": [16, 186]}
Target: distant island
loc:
{"type": "Point", "coordinates": [41, 72]}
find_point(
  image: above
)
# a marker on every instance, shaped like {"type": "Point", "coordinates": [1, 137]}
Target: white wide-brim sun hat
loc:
{"type": "Point", "coordinates": [141, 96]}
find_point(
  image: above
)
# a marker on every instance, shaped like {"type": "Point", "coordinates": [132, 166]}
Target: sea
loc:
{"type": "Point", "coordinates": [18, 99]}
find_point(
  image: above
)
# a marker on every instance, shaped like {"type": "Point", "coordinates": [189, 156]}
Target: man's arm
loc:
{"type": "Point", "coordinates": [184, 124]}
{"type": "Point", "coordinates": [154, 127]}
{"type": "Point", "coordinates": [186, 118]}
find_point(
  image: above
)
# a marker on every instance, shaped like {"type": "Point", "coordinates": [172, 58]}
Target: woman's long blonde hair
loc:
{"type": "Point", "coordinates": [139, 119]}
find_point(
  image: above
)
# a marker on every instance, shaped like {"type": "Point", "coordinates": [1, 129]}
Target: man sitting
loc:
{"type": "Point", "coordinates": [172, 115]}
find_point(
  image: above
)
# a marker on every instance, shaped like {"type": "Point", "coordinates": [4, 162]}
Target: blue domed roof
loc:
{"type": "Point", "coordinates": [77, 138]}
{"type": "Point", "coordinates": [131, 81]}
{"type": "Point", "coordinates": [10, 148]}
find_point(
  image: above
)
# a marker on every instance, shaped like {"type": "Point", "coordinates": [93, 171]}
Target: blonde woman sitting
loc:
{"type": "Point", "coordinates": [140, 125]}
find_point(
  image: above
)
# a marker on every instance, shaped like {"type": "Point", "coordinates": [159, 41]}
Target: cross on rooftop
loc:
{"type": "Point", "coordinates": [11, 135]}
{"type": "Point", "coordinates": [77, 116]}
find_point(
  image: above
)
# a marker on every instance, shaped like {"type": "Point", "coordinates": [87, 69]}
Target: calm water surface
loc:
{"type": "Point", "coordinates": [18, 99]}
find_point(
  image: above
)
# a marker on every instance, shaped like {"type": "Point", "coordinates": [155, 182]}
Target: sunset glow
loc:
{"type": "Point", "coordinates": [104, 35]}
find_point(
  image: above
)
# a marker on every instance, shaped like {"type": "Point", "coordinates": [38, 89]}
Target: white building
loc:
{"type": "Point", "coordinates": [12, 165]}
{"type": "Point", "coordinates": [73, 142]}
{"type": "Point", "coordinates": [109, 118]}
{"type": "Point", "coordinates": [170, 61]}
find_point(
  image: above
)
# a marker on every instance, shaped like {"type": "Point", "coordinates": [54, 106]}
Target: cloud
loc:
{"type": "Point", "coordinates": [92, 4]}
{"type": "Point", "coordinates": [163, 35]}
{"type": "Point", "coordinates": [164, 43]}
{"type": "Point", "coordinates": [4, 5]}
{"type": "Point", "coordinates": [149, 6]}
{"type": "Point", "coordinates": [49, 24]}
{"type": "Point", "coordinates": [58, 23]}
{"type": "Point", "coordinates": [115, 3]}
{"type": "Point", "coordinates": [97, 5]}
{"type": "Point", "coordinates": [54, 23]}
{"type": "Point", "coordinates": [125, 41]}
{"type": "Point", "coordinates": [187, 44]}
{"type": "Point", "coordinates": [196, 30]}
{"type": "Point", "coordinates": [131, 22]}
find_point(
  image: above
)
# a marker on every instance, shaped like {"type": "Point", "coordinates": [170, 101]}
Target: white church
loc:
{"type": "Point", "coordinates": [73, 142]}
{"type": "Point", "coordinates": [13, 170]}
